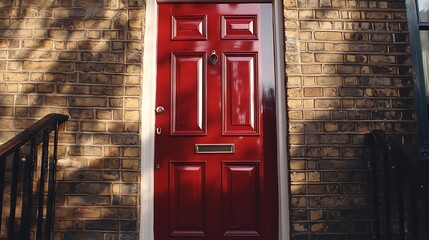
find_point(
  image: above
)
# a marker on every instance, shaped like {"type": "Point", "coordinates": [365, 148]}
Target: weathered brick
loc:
{"type": "Point", "coordinates": [91, 200]}
{"type": "Point", "coordinates": [88, 212]}
{"type": "Point", "coordinates": [93, 126]}
{"type": "Point", "coordinates": [87, 102]}
{"type": "Point", "coordinates": [329, 36]}
{"type": "Point", "coordinates": [84, 151]}
{"type": "Point", "coordinates": [49, 66]}
{"type": "Point", "coordinates": [94, 45]}
{"type": "Point", "coordinates": [329, 58]}
{"type": "Point", "coordinates": [67, 34]}
{"type": "Point", "coordinates": [327, 14]}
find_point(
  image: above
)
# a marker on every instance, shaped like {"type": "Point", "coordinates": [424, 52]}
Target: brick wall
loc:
{"type": "Point", "coordinates": [81, 58]}
{"type": "Point", "coordinates": [348, 72]}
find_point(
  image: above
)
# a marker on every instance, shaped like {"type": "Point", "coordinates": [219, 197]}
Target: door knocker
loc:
{"type": "Point", "coordinates": [213, 58]}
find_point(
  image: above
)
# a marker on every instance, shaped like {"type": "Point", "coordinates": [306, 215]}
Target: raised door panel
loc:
{"type": "Point", "coordinates": [189, 27]}
{"type": "Point", "coordinates": [240, 94]}
{"type": "Point", "coordinates": [240, 190]}
{"type": "Point", "coordinates": [187, 199]}
{"type": "Point", "coordinates": [239, 27]}
{"type": "Point", "coordinates": [188, 94]}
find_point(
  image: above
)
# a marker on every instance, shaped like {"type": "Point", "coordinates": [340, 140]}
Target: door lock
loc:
{"type": "Point", "coordinates": [157, 166]}
{"type": "Point", "coordinates": [160, 109]}
{"type": "Point", "coordinates": [213, 58]}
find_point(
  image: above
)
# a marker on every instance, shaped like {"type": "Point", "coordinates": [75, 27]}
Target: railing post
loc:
{"type": "Point", "coordinates": [51, 189]}
{"type": "Point", "coordinates": [401, 209]}
{"type": "Point", "coordinates": [27, 198]}
{"type": "Point", "coordinates": [45, 150]}
{"type": "Point", "coordinates": [373, 165]}
{"type": "Point", "coordinates": [2, 179]}
{"type": "Point", "coordinates": [386, 180]}
{"type": "Point", "coordinates": [14, 192]}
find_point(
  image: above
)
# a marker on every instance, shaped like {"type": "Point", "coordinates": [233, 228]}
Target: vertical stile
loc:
{"type": "Point", "coordinates": [388, 223]}
{"type": "Point", "coordinates": [2, 176]}
{"type": "Point", "coordinates": [13, 193]}
{"type": "Point", "coordinates": [27, 197]}
{"type": "Point", "coordinates": [373, 163]}
{"type": "Point", "coordinates": [45, 149]}
{"type": "Point", "coordinates": [51, 189]}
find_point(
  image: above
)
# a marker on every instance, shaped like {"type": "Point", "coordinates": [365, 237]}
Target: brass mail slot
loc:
{"type": "Point", "coordinates": [214, 148]}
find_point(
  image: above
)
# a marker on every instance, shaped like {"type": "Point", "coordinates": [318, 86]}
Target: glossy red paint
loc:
{"type": "Point", "coordinates": [214, 195]}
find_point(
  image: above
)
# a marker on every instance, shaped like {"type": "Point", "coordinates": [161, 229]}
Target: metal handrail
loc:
{"type": "Point", "coordinates": [399, 184]}
{"type": "Point", "coordinates": [46, 123]}
{"type": "Point", "coordinates": [37, 134]}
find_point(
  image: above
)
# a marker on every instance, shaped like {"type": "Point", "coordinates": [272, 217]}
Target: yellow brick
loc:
{"type": "Point", "coordinates": [132, 115]}
{"type": "Point", "coordinates": [69, 13]}
{"type": "Point", "coordinates": [93, 126]}
{"type": "Point", "coordinates": [132, 91]}
{"type": "Point", "coordinates": [104, 114]}
{"type": "Point", "coordinates": [135, 24]}
{"type": "Point", "coordinates": [134, 68]}
{"type": "Point", "coordinates": [130, 164]}
{"type": "Point", "coordinates": [132, 127]}
{"type": "Point", "coordinates": [329, 58]}
{"type": "Point", "coordinates": [132, 103]}
{"type": "Point", "coordinates": [135, 35]}
{"type": "Point", "coordinates": [311, 69]}
{"type": "Point", "coordinates": [131, 152]}
{"type": "Point", "coordinates": [88, 4]}
{"type": "Point", "coordinates": [48, 66]}
{"type": "Point", "coordinates": [118, 114]}
{"type": "Point", "coordinates": [94, 34]}
{"type": "Point", "coordinates": [95, 46]}
{"type": "Point", "coordinates": [112, 152]}
{"type": "Point", "coordinates": [18, 77]}
{"type": "Point", "coordinates": [130, 176]}
{"type": "Point", "coordinates": [317, 227]}
{"type": "Point", "coordinates": [97, 24]}
{"type": "Point", "coordinates": [331, 36]}
{"type": "Point", "coordinates": [327, 14]}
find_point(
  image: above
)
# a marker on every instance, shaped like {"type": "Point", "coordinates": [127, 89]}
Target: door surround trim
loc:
{"type": "Point", "coordinates": [146, 215]}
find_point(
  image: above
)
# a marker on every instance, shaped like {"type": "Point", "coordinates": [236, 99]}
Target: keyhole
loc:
{"type": "Point", "coordinates": [213, 58]}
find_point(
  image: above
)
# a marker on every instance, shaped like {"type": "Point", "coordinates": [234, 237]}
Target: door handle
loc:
{"type": "Point", "coordinates": [159, 109]}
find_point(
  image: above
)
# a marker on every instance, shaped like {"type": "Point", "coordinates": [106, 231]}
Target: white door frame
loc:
{"type": "Point", "coordinates": [148, 122]}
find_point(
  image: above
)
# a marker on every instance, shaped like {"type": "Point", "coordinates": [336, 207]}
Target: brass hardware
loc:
{"type": "Point", "coordinates": [159, 109]}
{"type": "Point", "coordinates": [213, 58]}
{"type": "Point", "coordinates": [214, 148]}
{"type": "Point", "coordinates": [158, 131]}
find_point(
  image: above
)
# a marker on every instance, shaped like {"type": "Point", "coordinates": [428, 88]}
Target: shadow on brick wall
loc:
{"type": "Point", "coordinates": [349, 72]}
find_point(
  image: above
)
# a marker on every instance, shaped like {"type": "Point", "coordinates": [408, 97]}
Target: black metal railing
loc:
{"type": "Point", "coordinates": [400, 190]}
{"type": "Point", "coordinates": [27, 181]}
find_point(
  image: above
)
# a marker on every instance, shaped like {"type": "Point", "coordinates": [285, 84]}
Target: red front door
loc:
{"type": "Point", "coordinates": [215, 144]}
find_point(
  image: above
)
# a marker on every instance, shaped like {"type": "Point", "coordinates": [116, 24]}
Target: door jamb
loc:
{"type": "Point", "coordinates": [148, 122]}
